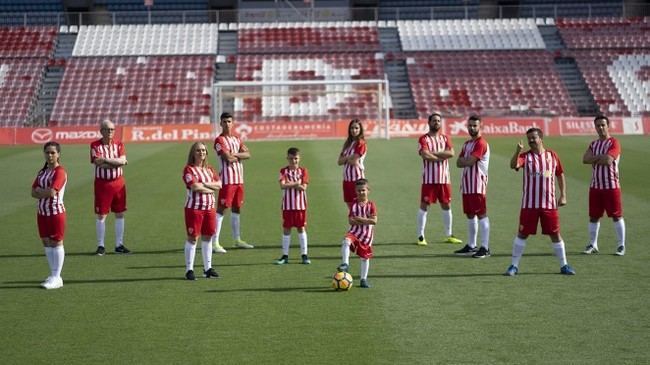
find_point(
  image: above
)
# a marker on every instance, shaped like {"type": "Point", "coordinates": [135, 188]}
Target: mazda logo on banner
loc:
{"type": "Point", "coordinates": [42, 135]}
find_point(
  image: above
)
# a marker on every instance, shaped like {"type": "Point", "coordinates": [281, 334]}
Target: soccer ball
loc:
{"type": "Point", "coordinates": [342, 281]}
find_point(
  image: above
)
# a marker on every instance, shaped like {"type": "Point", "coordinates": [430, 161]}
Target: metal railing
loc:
{"type": "Point", "coordinates": [327, 14]}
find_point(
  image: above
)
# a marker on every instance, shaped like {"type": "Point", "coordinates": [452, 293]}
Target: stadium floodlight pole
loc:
{"type": "Point", "coordinates": [383, 94]}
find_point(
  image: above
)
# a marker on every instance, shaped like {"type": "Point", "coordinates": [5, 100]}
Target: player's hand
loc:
{"type": "Point", "coordinates": [520, 146]}
{"type": "Point", "coordinates": [561, 201]}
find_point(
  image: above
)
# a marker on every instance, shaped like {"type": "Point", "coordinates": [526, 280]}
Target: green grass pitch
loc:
{"type": "Point", "coordinates": [426, 305]}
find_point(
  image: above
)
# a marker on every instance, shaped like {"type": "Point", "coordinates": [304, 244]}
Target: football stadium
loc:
{"type": "Point", "coordinates": [413, 145]}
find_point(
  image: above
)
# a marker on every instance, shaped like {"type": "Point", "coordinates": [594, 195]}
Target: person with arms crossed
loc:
{"type": "Point", "coordinates": [474, 159]}
{"type": "Point", "coordinates": [351, 158]}
{"type": "Point", "coordinates": [49, 188]}
{"type": "Point", "coordinates": [109, 157]}
{"type": "Point", "coordinates": [604, 155]}
{"type": "Point", "coordinates": [362, 218]}
{"type": "Point", "coordinates": [231, 151]}
{"type": "Point", "coordinates": [541, 168]}
{"type": "Point", "coordinates": [201, 182]}
{"type": "Point", "coordinates": [293, 182]}
{"type": "Point", "coordinates": [435, 149]}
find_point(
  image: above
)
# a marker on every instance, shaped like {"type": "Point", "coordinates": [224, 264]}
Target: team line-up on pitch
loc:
{"type": "Point", "coordinates": [210, 194]}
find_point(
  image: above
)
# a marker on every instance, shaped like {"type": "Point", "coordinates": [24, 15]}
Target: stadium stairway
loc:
{"type": "Point", "coordinates": [225, 70]}
{"type": "Point", "coordinates": [551, 37]}
{"type": "Point", "coordinates": [576, 85]}
{"type": "Point", "coordinates": [400, 90]}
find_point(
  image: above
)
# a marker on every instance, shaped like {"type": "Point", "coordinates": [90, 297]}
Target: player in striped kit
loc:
{"type": "Point", "coordinates": [362, 219]}
{"type": "Point", "coordinates": [474, 159]}
{"type": "Point", "coordinates": [604, 155]}
{"type": "Point", "coordinates": [351, 158]}
{"type": "Point", "coordinates": [435, 149]}
{"type": "Point", "coordinates": [201, 182]}
{"type": "Point", "coordinates": [541, 168]}
{"type": "Point", "coordinates": [49, 188]}
{"type": "Point", "coordinates": [231, 151]}
{"type": "Point", "coordinates": [109, 157]}
{"type": "Point", "coordinates": [293, 182]}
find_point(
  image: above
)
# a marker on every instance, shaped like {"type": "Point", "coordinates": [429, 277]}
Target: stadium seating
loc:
{"type": "Point", "coordinates": [490, 82]}
{"type": "Point", "coordinates": [288, 105]}
{"type": "Point", "coordinates": [619, 80]}
{"type": "Point", "coordinates": [308, 39]}
{"type": "Point", "coordinates": [19, 81]}
{"type": "Point", "coordinates": [139, 40]}
{"type": "Point", "coordinates": [605, 32]}
{"type": "Point", "coordinates": [135, 90]}
{"type": "Point", "coordinates": [488, 34]}
{"type": "Point", "coordinates": [27, 41]}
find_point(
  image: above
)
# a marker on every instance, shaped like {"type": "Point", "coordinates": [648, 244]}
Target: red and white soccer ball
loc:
{"type": "Point", "coordinates": [342, 281]}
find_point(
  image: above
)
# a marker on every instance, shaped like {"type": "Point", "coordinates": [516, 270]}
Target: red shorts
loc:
{"type": "Point", "coordinates": [294, 218]}
{"type": "Point", "coordinates": [110, 195]}
{"type": "Point", "coordinates": [474, 204]}
{"type": "Point", "coordinates": [51, 226]}
{"type": "Point", "coordinates": [605, 200]}
{"type": "Point", "coordinates": [231, 195]}
{"type": "Point", "coordinates": [432, 193]}
{"type": "Point", "coordinates": [362, 250]}
{"type": "Point", "coordinates": [204, 221]}
{"type": "Point", "coordinates": [549, 218]}
{"type": "Point", "coordinates": [349, 191]}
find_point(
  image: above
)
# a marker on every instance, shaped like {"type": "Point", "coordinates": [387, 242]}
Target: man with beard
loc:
{"type": "Point", "coordinates": [435, 149]}
{"type": "Point", "coordinates": [474, 159]}
{"type": "Point", "coordinates": [541, 166]}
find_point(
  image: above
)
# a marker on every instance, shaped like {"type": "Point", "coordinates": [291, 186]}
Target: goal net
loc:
{"type": "Point", "coordinates": [304, 109]}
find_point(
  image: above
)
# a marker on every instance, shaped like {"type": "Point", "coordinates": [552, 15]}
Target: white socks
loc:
{"type": "Point", "coordinates": [302, 238]}
{"type": "Point", "coordinates": [55, 258]}
{"type": "Point", "coordinates": [215, 238]}
{"type": "Point", "coordinates": [518, 247]}
{"type": "Point", "coordinates": [484, 229]}
{"type": "Point", "coordinates": [446, 222]}
{"type": "Point", "coordinates": [100, 229]}
{"type": "Point", "coordinates": [560, 253]}
{"type": "Point", "coordinates": [593, 233]}
{"type": "Point", "coordinates": [365, 265]}
{"type": "Point", "coordinates": [345, 251]}
{"type": "Point", "coordinates": [190, 253]}
{"type": "Point", "coordinates": [234, 223]}
{"type": "Point", "coordinates": [206, 251]}
{"type": "Point", "coordinates": [286, 242]}
{"type": "Point", "coordinates": [422, 222]}
{"type": "Point", "coordinates": [472, 231]}
{"type": "Point", "coordinates": [119, 232]}
{"type": "Point", "coordinates": [619, 227]}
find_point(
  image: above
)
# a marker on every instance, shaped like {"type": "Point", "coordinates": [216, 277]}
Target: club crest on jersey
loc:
{"type": "Point", "coordinates": [190, 230]}
{"type": "Point", "coordinates": [188, 178]}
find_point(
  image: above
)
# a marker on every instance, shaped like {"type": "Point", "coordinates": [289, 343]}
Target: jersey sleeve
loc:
{"type": "Point", "coordinates": [305, 176]}
{"type": "Point", "coordinates": [373, 210]}
{"type": "Point", "coordinates": [448, 144]}
{"type": "Point", "coordinates": [93, 153]}
{"type": "Point", "coordinates": [281, 175]}
{"type": "Point", "coordinates": [35, 183]}
{"type": "Point", "coordinates": [59, 179]}
{"type": "Point", "coordinates": [361, 148]}
{"type": "Point", "coordinates": [521, 160]}
{"type": "Point", "coordinates": [220, 146]}
{"type": "Point", "coordinates": [188, 177]}
{"type": "Point", "coordinates": [242, 146]}
{"type": "Point", "coordinates": [614, 149]}
{"type": "Point", "coordinates": [479, 149]}
{"type": "Point", "coordinates": [422, 144]}
{"type": "Point", "coordinates": [121, 150]}
{"type": "Point", "coordinates": [215, 175]}
{"type": "Point", "coordinates": [559, 169]}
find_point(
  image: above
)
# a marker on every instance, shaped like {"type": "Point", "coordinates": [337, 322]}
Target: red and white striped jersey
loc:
{"type": "Point", "coordinates": [606, 176]}
{"type": "Point", "coordinates": [294, 199]}
{"type": "Point", "coordinates": [196, 174]}
{"type": "Point", "coordinates": [540, 171]}
{"type": "Point", "coordinates": [113, 150]}
{"type": "Point", "coordinates": [355, 172]}
{"type": "Point", "coordinates": [435, 172]}
{"type": "Point", "coordinates": [364, 233]}
{"type": "Point", "coordinates": [475, 178]}
{"type": "Point", "coordinates": [231, 172]}
{"type": "Point", "coordinates": [51, 179]}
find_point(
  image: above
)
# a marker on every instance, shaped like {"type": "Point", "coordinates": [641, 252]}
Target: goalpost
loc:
{"type": "Point", "coordinates": [300, 101]}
